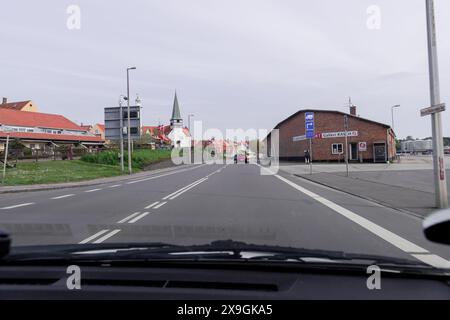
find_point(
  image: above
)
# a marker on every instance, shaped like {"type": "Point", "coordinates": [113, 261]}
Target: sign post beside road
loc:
{"type": "Point", "coordinates": [309, 133]}
{"type": "Point", "coordinates": [6, 159]}
{"type": "Point", "coordinates": [362, 147]}
{"type": "Point", "coordinates": [435, 110]}
{"type": "Point", "coordinates": [346, 143]}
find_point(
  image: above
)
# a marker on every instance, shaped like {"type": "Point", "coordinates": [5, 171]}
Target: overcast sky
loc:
{"type": "Point", "coordinates": [235, 64]}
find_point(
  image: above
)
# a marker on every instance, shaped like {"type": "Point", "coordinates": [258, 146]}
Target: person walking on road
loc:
{"type": "Point", "coordinates": [307, 157]}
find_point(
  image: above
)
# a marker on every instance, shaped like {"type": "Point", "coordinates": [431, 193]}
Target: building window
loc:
{"type": "Point", "coordinates": [134, 130]}
{"type": "Point", "coordinates": [337, 148]}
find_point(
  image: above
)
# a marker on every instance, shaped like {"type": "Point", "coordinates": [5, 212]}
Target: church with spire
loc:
{"type": "Point", "coordinates": [179, 135]}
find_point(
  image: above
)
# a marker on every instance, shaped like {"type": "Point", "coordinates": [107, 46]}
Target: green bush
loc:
{"type": "Point", "coordinates": [140, 158]}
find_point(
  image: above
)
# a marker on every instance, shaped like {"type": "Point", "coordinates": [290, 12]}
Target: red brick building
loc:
{"type": "Point", "coordinates": [368, 140]}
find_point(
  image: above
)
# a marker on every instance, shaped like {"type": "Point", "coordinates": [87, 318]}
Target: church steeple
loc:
{"type": "Point", "coordinates": [176, 120]}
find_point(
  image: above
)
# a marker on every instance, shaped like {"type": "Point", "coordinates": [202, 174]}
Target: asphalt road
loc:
{"type": "Point", "coordinates": [203, 203]}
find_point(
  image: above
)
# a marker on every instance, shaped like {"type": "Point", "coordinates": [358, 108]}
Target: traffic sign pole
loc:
{"type": "Point", "coordinates": [346, 144]}
{"type": "Point", "coordinates": [310, 157]}
{"type": "Point", "coordinates": [436, 122]}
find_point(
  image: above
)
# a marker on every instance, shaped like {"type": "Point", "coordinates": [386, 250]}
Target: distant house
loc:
{"type": "Point", "coordinates": [99, 129]}
{"type": "Point", "coordinates": [27, 105]}
{"type": "Point", "coordinates": [43, 131]}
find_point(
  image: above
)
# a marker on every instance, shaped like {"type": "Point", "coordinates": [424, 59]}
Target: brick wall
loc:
{"type": "Point", "coordinates": [368, 132]}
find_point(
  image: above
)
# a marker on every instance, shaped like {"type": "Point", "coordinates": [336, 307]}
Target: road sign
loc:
{"type": "Point", "coordinates": [298, 138]}
{"type": "Point", "coordinates": [113, 123]}
{"type": "Point", "coordinates": [309, 125]}
{"type": "Point", "coordinates": [362, 146]}
{"type": "Point", "coordinates": [433, 109]}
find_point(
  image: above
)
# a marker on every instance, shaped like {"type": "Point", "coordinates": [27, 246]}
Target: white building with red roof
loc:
{"type": "Point", "coordinates": [174, 134]}
{"type": "Point", "coordinates": [38, 130]}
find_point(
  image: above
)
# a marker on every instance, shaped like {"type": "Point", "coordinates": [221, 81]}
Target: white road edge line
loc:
{"type": "Point", "coordinates": [151, 205]}
{"type": "Point", "coordinates": [107, 236]}
{"type": "Point", "coordinates": [93, 190]}
{"type": "Point", "coordinates": [17, 206]}
{"type": "Point", "coordinates": [160, 205]}
{"type": "Point", "coordinates": [98, 234]}
{"type": "Point", "coordinates": [138, 217]}
{"type": "Point", "coordinates": [62, 197]}
{"type": "Point", "coordinates": [129, 217]}
{"type": "Point", "coordinates": [399, 242]}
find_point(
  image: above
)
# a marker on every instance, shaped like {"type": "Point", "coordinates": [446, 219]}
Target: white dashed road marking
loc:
{"type": "Point", "coordinates": [17, 206]}
{"type": "Point", "coordinates": [129, 217]}
{"type": "Point", "coordinates": [107, 236]}
{"type": "Point", "coordinates": [92, 190]}
{"type": "Point", "coordinates": [138, 217]}
{"type": "Point", "coordinates": [115, 186]}
{"type": "Point", "coordinates": [98, 234]}
{"type": "Point", "coordinates": [151, 205]}
{"type": "Point", "coordinates": [160, 205]}
{"type": "Point", "coordinates": [62, 197]}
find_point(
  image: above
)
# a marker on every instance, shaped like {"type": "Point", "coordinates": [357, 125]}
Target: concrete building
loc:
{"type": "Point", "coordinates": [368, 140]}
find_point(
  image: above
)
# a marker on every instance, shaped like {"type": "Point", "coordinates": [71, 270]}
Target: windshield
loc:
{"type": "Point", "coordinates": [225, 130]}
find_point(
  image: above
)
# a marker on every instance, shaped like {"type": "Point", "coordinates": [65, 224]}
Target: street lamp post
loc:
{"type": "Point", "coordinates": [128, 116]}
{"type": "Point", "coordinates": [121, 134]}
{"type": "Point", "coordinates": [392, 114]}
{"type": "Point", "coordinates": [436, 122]}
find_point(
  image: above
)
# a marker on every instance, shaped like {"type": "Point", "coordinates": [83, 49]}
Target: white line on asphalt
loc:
{"type": "Point", "coordinates": [115, 186]}
{"type": "Point", "coordinates": [129, 217]}
{"type": "Point", "coordinates": [164, 175]}
{"type": "Point", "coordinates": [62, 197]}
{"type": "Point", "coordinates": [107, 236]}
{"type": "Point", "coordinates": [98, 234]}
{"type": "Point", "coordinates": [151, 205]}
{"type": "Point", "coordinates": [92, 190]}
{"type": "Point", "coordinates": [179, 190]}
{"type": "Point", "coordinates": [160, 205]}
{"type": "Point", "coordinates": [392, 238]}
{"type": "Point", "coordinates": [138, 217]}
{"type": "Point", "coordinates": [187, 189]}
{"type": "Point", "coordinates": [17, 206]}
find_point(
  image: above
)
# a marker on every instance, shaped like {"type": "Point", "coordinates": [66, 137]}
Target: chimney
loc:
{"type": "Point", "coordinates": [353, 110]}
{"type": "Point", "coordinates": [5, 100]}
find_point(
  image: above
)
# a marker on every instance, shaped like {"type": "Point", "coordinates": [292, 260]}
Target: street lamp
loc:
{"type": "Point", "coordinates": [189, 121]}
{"type": "Point", "coordinates": [121, 133]}
{"type": "Point", "coordinates": [129, 122]}
{"type": "Point", "coordinates": [392, 114]}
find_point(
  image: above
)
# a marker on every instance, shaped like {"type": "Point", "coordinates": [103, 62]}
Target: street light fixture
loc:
{"type": "Point", "coordinates": [128, 116]}
{"type": "Point", "coordinates": [392, 114]}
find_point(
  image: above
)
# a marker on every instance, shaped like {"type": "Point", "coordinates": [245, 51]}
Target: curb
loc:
{"type": "Point", "coordinates": [384, 204]}
{"type": "Point", "coordinates": [87, 183]}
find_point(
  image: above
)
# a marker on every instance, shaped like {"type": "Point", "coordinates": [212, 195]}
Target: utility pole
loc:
{"type": "Point", "coordinates": [436, 122]}
{"type": "Point", "coordinates": [6, 158]}
{"type": "Point", "coordinates": [392, 114]}
{"type": "Point", "coordinates": [121, 135]}
{"type": "Point", "coordinates": [129, 121]}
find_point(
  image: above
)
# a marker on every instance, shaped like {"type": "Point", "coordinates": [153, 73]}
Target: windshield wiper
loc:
{"type": "Point", "coordinates": [222, 250]}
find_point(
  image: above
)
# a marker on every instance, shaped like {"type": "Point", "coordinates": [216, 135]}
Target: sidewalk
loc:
{"type": "Point", "coordinates": [411, 191]}
{"type": "Point", "coordinates": [42, 187]}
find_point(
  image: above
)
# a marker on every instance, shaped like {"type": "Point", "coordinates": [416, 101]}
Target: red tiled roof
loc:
{"type": "Point", "coordinates": [49, 136]}
{"type": "Point", "coordinates": [36, 119]}
{"type": "Point", "coordinates": [101, 126]}
{"type": "Point", "coordinates": [14, 105]}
